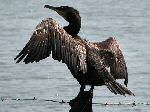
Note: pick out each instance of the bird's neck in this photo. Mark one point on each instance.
(74, 26)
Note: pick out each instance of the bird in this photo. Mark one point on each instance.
(91, 63)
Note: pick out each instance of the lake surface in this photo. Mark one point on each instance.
(127, 20)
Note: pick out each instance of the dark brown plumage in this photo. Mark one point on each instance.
(91, 63)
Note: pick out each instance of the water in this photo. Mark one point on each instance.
(128, 21)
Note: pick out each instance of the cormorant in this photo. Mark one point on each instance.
(91, 63)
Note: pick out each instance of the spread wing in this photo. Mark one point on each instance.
(118, 70)
(103, 59)
(49, 37)
(100, 59)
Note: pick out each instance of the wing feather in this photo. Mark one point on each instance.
(49, 37)
(118, 69)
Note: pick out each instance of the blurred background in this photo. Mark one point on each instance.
(128, 21)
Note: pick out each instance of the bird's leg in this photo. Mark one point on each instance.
(82, 88)
(91, 89)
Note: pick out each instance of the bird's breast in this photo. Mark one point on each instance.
(91, 77)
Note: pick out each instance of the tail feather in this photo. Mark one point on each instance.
(117, 88)
(111, 88)
(121, 91)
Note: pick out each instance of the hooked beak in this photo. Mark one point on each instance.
(57, 9)
(50, 7)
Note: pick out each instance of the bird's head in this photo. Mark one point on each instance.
(65, 11)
